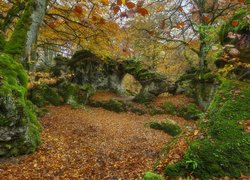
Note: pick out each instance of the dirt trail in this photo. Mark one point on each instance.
(91, 143)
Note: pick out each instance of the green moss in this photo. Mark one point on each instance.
(44, 95)
(75, 94)
(190, 112)
(16, 45)
(112, 105)
(143, 98)
(2, 42)
(225, 148)
(167, 127)
(18, 123)
(152, 176)
(169, 108)
(115, 105)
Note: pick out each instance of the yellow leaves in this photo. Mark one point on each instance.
(143, 11)
(123, 2)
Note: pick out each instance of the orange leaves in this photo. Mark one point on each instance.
(52, 24)
(143, 11)
(180, 25)
(206, 18)
(116, 9)
(130, 5)
(235, 23)
(77, 9)
(241, 1)
(105, 2)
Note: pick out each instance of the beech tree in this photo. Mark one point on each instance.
(189, 22)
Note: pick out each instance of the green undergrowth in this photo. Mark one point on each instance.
(166, 126)
(19, 127)
(44, 95)
(224, 149)
(63, 93)
(112, 105)
(152, 176)
(189, 112)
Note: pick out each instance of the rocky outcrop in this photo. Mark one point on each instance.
(19, 128)
(108, 74)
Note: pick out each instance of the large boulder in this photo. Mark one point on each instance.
(19, 128)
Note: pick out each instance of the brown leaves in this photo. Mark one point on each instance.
(116, 9)
(78, 10)
(130, 5)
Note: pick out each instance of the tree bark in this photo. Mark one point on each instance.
(26, 29)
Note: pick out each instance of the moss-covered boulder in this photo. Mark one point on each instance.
(44, 95)
(224, 147)
(74, 94)
(19, 128)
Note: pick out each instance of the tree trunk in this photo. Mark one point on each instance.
(25, 32)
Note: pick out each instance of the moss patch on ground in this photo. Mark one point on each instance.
(19, 128)
(167, 127)
(224, 148)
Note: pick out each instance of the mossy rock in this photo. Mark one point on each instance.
(167, 127)
(111, 105)
(75, 94)
(144, 98)
(19, 128)
(44, 95)
(190, 112)
(224, 148)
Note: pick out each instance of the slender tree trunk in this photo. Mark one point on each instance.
(36, 18)
(25, 32)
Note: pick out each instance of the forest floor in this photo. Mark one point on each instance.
(93, 143)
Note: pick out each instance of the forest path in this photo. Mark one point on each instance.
(92, 143)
